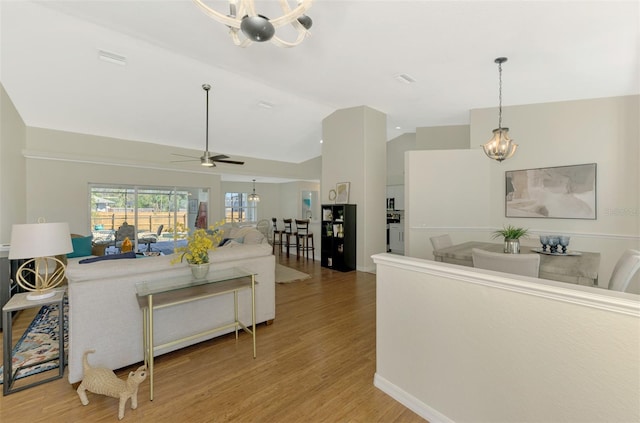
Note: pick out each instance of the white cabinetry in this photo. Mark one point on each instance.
(396, 192)
(396, 238)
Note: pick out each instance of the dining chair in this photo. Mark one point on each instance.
(263, 227)
(441, 241)
(625, 269)
(518, 264)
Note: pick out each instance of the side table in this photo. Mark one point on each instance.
(20, 302)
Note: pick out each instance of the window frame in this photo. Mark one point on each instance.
(240, 211)
(179, 219)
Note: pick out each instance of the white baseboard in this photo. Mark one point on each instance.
(409, 401)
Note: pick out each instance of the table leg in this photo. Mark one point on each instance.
(235, 311)
(61, 359)
(253, 313)
(6, 352)
(150, 344)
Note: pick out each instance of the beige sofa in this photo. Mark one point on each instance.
(104, 313)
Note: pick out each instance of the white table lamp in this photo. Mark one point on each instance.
(40, 242)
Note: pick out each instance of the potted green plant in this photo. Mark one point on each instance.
(511, 236)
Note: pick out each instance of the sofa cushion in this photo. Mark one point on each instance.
(103, 269)
(81, 247)
(236, 251)
(253, 237)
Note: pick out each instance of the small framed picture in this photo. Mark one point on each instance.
(342, 192)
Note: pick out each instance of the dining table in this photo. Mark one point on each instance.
(578, 267)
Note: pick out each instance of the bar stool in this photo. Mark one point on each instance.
(277, 236)
(288, 233)
(303, 236)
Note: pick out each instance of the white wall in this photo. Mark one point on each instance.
(354, 151)
(395, 157)
(60, 165)
(444, 190)
(13, 202)
(465, 345)
(449, 137)
(602, 131)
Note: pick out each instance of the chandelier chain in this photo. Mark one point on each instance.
(500, 96)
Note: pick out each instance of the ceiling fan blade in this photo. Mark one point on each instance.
(184, 155)
(182, 161)
(219, 156)
(229, 161)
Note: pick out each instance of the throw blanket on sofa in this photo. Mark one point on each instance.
(129, 255)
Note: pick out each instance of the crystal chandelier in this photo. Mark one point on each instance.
(246, 25)
(500, 146)
(253, 196)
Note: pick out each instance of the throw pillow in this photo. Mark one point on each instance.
(81, 247)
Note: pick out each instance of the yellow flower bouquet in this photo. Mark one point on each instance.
(198, 245)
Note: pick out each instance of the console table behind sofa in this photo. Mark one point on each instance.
(104, 313)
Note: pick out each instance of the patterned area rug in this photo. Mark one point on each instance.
(40, 342)
(286, 274)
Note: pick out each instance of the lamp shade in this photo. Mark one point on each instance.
(39, 240)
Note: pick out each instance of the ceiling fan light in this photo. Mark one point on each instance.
(205, 160)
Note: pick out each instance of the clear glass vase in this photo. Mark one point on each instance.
(199, 271)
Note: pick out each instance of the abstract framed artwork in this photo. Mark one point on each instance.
(561, 192)
(342, 192)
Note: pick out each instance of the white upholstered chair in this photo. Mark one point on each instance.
(263, 226)
(627, 266)
(441, 241)
(124, 231)
(518, 264)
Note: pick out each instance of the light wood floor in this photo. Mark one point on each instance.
(315, 363)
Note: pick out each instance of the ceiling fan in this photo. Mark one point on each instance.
(207, 159)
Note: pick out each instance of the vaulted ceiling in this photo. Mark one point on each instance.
(557, 50)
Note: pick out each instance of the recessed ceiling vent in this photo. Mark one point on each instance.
(404, 78)
(265, 104)
(111, 57)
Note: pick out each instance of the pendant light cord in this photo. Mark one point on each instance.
(207, 125)
(500, 95)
